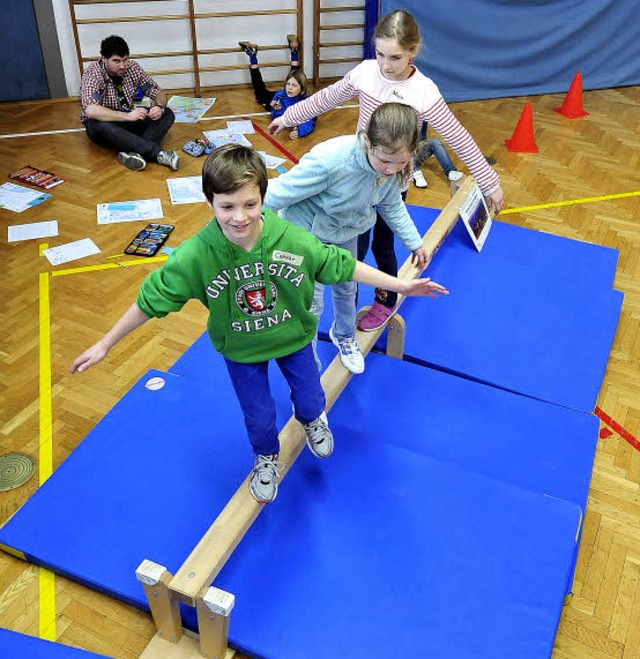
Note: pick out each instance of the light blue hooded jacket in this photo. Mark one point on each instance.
(333, 192)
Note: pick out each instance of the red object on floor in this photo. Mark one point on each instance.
(572, 105)
(522, 140)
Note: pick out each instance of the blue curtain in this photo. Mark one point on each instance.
(493, 48)
(23, 76)
(371, 13)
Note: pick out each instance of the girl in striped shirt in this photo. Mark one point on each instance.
(392, 77)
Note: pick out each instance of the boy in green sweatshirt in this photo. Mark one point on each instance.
(255, 273)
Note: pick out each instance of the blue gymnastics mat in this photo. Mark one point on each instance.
(528, 445)
(532, 313)
(421, 522)
(21, 646)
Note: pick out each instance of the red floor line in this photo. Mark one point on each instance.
(614, 425)
(280, 148)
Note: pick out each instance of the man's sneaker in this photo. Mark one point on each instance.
(419, 180)
(169, 159)
(319, 436)
(455, 175)
(376, 317)
(350, 353)
(248, 47)
(133, 161)
(264, 478)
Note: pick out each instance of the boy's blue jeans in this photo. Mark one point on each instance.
(251, 384)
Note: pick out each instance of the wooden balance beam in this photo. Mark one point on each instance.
(191, 583)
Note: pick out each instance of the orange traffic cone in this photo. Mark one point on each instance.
(572, 105)
(522, 139)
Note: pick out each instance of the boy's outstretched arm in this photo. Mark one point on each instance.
(365, 274)
(132, 318)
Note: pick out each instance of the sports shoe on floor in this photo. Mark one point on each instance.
(293, 42)
(169, 159)
(133, 161)
(419, 180)
(376, 317)
(319, 436)
(248, 47)
(350, 353)
(455, 175)
(264, 478)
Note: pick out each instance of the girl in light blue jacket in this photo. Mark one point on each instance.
(334, 191)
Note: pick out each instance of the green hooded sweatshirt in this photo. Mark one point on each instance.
(258, 301)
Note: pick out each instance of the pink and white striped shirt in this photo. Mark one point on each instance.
(372, 89)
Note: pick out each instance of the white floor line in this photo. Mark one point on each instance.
(79, 130)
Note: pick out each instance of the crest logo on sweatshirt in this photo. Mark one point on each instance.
(252, 298)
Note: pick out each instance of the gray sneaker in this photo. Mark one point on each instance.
(264, 478)
(133, 161)
(319, 436)
(169, 159)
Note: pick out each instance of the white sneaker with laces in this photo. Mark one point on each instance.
(350, 354)
(419, 180)
(455, 175)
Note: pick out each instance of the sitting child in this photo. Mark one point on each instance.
(433, 147)
(295, 86)
(255, 273)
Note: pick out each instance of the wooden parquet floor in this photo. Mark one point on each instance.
(595, 158)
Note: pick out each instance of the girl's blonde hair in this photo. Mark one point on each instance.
(394, 127)
(300, 78)
(402, 26)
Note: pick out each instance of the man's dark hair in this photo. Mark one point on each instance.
(114, 45)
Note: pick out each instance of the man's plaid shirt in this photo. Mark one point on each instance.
(97, 87)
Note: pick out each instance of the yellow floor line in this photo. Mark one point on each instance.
(46, 579)
(571, 202)
(108, 266)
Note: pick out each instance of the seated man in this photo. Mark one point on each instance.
(111, 118)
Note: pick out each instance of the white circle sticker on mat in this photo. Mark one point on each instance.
(153, 384)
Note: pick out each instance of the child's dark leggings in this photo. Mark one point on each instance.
(260, 91)
(384, 252)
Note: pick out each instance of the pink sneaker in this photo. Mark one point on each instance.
(376, 317)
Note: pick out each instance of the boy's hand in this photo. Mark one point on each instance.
(419, 257)
(276, 126)
(293, 135)
(423, 288)
(90, 357)
(275, 104)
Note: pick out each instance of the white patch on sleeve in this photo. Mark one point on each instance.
(287, 257)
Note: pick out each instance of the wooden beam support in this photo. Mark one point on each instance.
(164, 607)
(214, 610)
